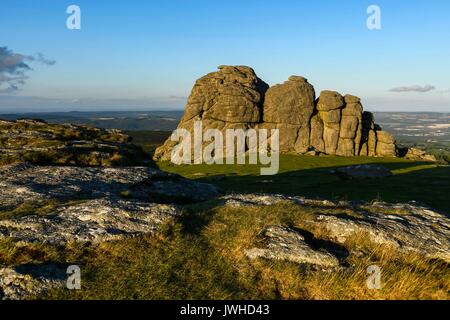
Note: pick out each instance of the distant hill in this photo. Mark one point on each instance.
(123, 120)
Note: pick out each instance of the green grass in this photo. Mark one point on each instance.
(427, 183)
(424, 182)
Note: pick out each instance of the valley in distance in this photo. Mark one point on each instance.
(429, 131)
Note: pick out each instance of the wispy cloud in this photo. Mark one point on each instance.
(178, 98)
(14, 68)
(414, 88)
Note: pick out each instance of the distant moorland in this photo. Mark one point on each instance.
(429, 131)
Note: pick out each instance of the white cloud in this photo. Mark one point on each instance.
(415, 88)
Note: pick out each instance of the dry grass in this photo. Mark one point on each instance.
(201, 256)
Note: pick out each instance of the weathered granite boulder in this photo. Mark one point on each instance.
(289, 107)
(385, 144)
(317, 141)
(287, 244)
(291, 102)
(229, 98)
(234, 97)
(351, 127)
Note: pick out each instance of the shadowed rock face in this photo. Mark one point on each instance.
(92, 204)
(235, 98)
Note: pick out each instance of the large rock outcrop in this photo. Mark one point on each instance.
(231, 98)
(234, 97)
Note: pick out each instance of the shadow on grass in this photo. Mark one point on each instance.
(416, 181)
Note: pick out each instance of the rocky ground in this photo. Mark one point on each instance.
(90, 198)
(115, 203)
(90, 205)
(37, 141)
(406, 227)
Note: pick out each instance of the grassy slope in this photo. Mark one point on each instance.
(311, 177)
(201, 256)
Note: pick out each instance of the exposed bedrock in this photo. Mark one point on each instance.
(235, 98)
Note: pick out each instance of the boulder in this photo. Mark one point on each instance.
(349, 127)
(229, 98)
(330, 100)
(350, 99)
(417, 154)
(289, 106)
(346, 147)
(405, 227)
(291, 102)
(317, 134)
(368, 171)
(331, 137)
(385, 137)
(385, 144)
(287, 244)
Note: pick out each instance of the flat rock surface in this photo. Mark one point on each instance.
(24, 182)
(92, 204)
(407, 227)
(366, 171)
(89, 221)
(286, 244)
(23, 282)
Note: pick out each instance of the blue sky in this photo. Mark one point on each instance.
(147, 54)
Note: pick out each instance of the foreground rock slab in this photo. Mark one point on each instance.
(365, 171)
(417, 229)
(24, 282)
(26, 183)
(91, 204)
(407, 227)
(287, 244)
(91, 221)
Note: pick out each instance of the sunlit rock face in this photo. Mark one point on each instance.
(236, 98)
